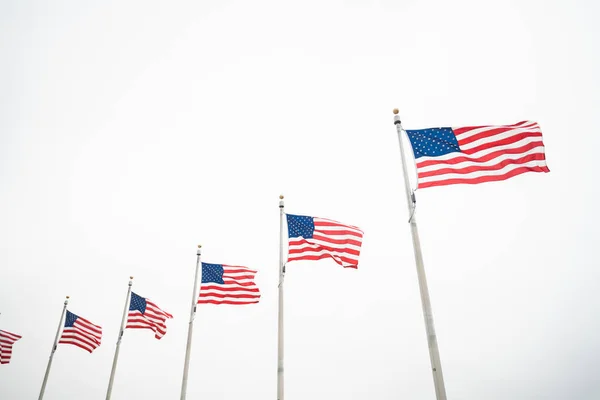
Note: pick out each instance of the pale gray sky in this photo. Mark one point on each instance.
(132, 131)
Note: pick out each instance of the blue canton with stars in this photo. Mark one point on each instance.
(137, 303)
(433, 142)
(212, 273)
(300, 225)
(70, 319)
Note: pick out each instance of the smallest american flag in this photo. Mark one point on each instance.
(7, 340)
(226, 284)
(313, 238)
(80, 332)
(144, 314)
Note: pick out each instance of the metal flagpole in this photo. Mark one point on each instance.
(190, 328)
(62, 316)
(123, 319)
(280, 321)
(434, 353)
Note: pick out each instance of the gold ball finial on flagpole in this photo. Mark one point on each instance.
(67, 297)
(199, 246)
(396, 111)
(131, 277)
(280, 197)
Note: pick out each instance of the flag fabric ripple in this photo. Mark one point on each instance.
(80, 332)
(7, 340)
(144, 314)
(313, 238)
(477, 154)
(226, 284)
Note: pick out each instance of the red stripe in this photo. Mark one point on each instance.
(229, 295)
(485, 158)
(345, 260)
(229, 289)
(474, 168)
(238, 277)
(78, 345)
(232, 282)
(489, 178)
(225, 302)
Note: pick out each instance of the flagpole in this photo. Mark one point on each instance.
(190, 328)
(121, 330)
(280, 320)
(60, 323)
(434, 353)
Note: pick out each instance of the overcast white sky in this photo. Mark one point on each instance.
(132, 131)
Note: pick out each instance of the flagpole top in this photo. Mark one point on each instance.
(199, 246)
(280, 197)
(68, 297)
(396, 111)
(131, 277)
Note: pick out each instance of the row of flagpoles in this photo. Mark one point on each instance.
(443, 156)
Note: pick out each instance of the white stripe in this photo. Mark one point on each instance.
(478, 174)
(494, 161)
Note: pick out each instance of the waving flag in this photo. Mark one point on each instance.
(144, 314)
(7, 340)
(226, 284)
(80, 332)
(477, 154)
(313, 238)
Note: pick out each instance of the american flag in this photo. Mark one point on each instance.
(313, 238)
(144, 314)
(80, 332)
(226, 284)
(7, 340)
(477, 154)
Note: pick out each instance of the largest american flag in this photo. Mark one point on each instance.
(7, 340)
(477, 154)
(314, 238)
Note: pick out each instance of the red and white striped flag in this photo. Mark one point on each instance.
(7, 340)
(313, 238)
(227, 284)
(80, 332)
(477, 154)
(144, 314)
